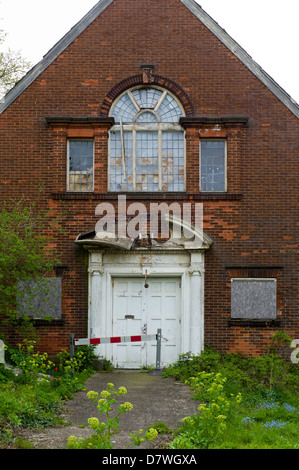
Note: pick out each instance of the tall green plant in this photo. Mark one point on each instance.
(203, 430)
(105, 430)
(25, 255)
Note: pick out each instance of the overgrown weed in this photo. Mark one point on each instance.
(33, 389)
(267, 417)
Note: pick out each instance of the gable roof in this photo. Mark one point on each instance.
(194, 8)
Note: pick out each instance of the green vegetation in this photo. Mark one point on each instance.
(32, 389)
(244, 402)
(27, 260)
(12, 66)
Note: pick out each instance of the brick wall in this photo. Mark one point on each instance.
(253, 225)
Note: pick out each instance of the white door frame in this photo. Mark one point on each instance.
(188, 265)
(144, 353)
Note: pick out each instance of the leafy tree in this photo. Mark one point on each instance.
(12, 66)
(26, 256)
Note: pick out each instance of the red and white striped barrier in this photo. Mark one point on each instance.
(119, 339)
(114, 339)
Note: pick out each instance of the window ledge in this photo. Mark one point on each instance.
(54, 322)
(43, 322)
(200, 120)
(253, 322)
(178, 196)
(65, 120)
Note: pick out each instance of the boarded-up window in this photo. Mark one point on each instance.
(253, 298)
(40, 298)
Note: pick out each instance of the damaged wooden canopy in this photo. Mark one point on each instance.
(191, 238)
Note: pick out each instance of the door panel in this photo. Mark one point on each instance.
(137, 310)
(127, 321)
(164, 312)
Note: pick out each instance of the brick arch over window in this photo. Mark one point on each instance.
(139, 79)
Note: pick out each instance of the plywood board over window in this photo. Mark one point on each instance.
(40, 298)
(253, 299)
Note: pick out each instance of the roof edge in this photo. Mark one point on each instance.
(243, 56)
(53, 53)
(194, 8)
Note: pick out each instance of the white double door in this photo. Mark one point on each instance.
(138, 310)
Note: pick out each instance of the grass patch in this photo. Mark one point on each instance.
(266, 416)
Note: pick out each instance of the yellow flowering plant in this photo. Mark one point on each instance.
(105, 430)
(202, 430)
(34, 365)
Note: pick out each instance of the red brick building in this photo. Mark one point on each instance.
(148, 102)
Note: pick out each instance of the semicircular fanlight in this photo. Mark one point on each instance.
(147, 116)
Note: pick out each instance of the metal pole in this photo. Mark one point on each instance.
(72, 345)
(158, 354)
(2, 352)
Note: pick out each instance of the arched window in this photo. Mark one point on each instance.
(147, 144)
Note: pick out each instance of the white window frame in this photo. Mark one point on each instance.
(225, 164)
(158, 126)
(68, 165)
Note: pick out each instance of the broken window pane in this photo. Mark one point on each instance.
(80, 165)
(117, 174)
(173, 168)
(154, 144)
(212, 165)
(147, 169)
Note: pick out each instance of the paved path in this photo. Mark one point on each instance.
(153, 397)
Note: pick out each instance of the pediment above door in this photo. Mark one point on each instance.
(182, 236)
